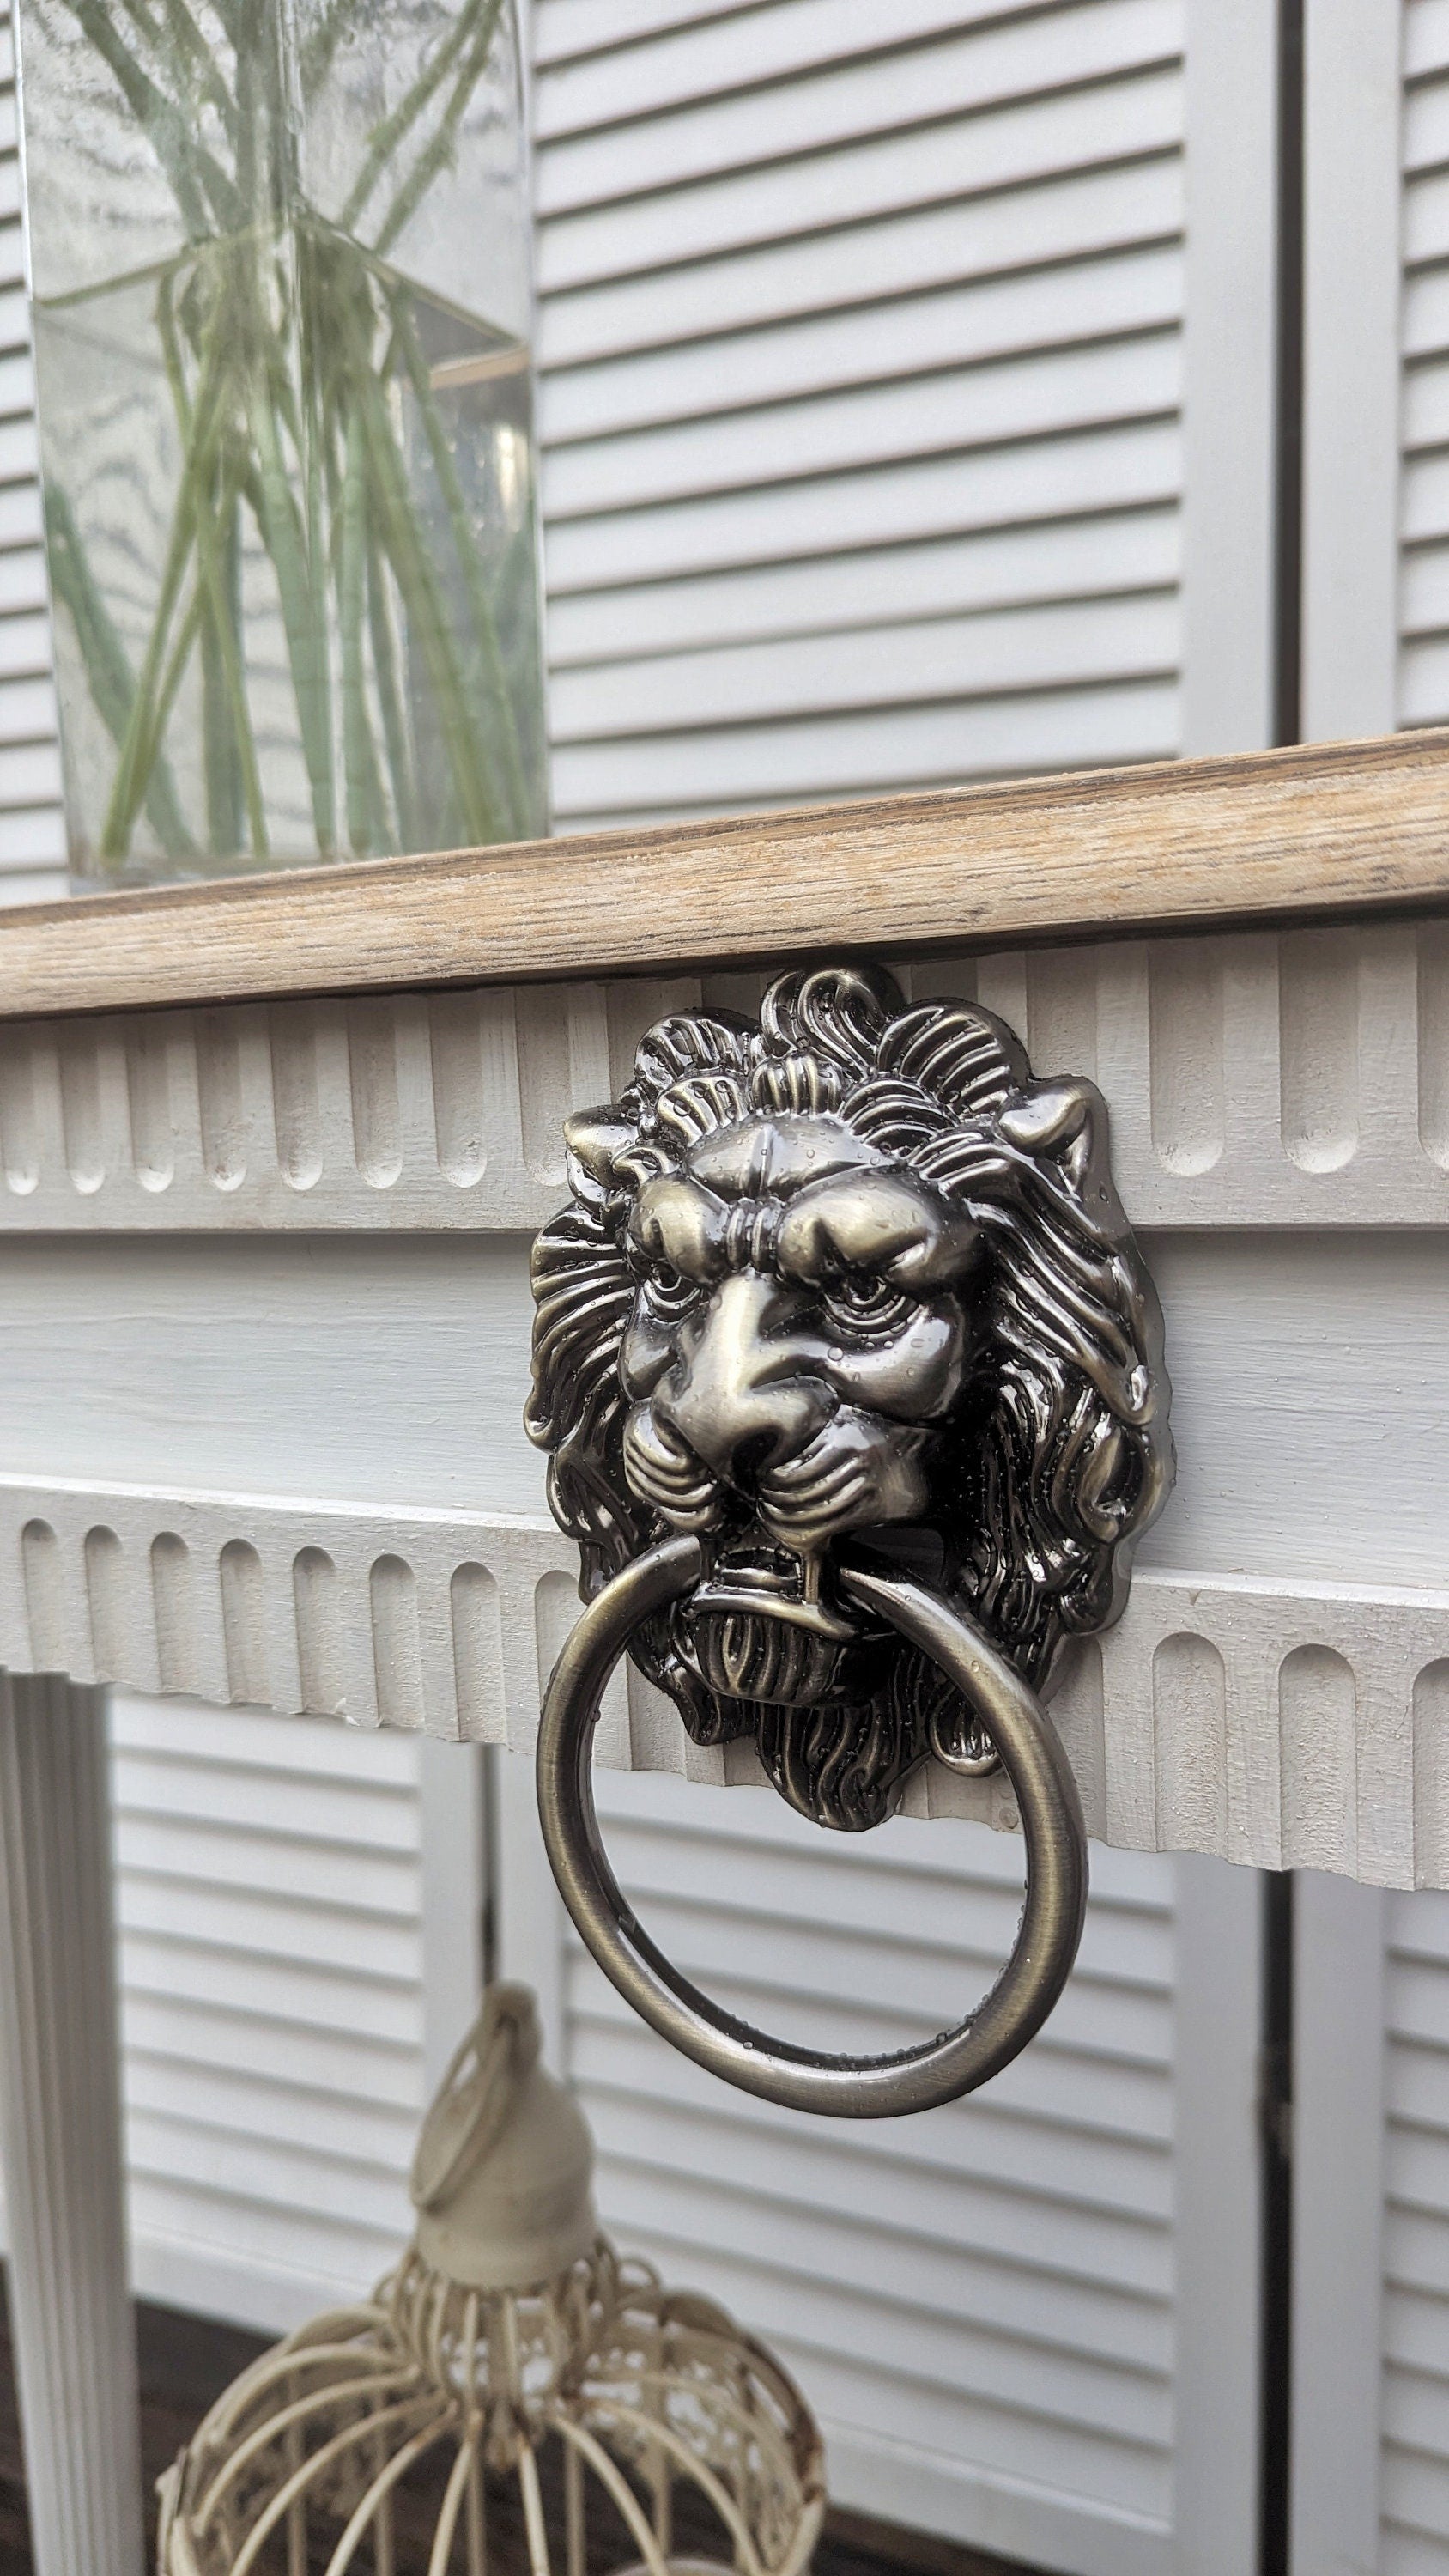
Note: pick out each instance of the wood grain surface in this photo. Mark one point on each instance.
(1304, 833)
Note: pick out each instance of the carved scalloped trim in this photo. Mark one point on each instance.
(1259, 1079)
(1261, 1722)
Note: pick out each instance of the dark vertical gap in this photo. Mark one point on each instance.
(1288, 407)
(1276, 2103)
(1275, 2496)
(488, 1759)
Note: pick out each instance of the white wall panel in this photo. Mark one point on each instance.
(861, 396)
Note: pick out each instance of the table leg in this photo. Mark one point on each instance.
(60, 2133)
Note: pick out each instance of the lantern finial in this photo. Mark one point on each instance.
(501, 2180)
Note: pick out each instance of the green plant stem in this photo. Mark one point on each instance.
(108, 669)
(171, 677)
(359, 763)
(474, 582)
(389, 133)
(142, 736)
(285, 539)
(218, 604)
(439, 150)
(275, 299)
(417, 580)
(389, 698)
(225, 800)
(192, 46)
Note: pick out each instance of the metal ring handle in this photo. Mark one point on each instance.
(805, 2079)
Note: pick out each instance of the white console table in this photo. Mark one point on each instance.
(269, 1155)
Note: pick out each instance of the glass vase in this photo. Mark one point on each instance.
(280, 283)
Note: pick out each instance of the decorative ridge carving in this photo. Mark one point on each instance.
(1257, 1079)
(1181, 1729)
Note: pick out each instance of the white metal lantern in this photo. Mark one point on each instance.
(510, 2333)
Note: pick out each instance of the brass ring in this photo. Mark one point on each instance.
(806, 2079)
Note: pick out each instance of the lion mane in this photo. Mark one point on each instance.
(1057, 1455)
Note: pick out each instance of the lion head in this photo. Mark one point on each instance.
(847, 1275)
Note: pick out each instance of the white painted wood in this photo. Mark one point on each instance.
(1217, 2232)
(1002, 2312)
(1352, 222)
(1256, 1079)
(1338, 2198)
(1230, 107)
(1258, 1719)
(60, 2134)
(386, 1380)
(454, 1892)
(529, 1915)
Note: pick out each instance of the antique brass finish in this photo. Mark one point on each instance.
(851, 1375)
(806, 2079)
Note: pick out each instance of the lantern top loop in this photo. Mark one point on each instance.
(502, 2176)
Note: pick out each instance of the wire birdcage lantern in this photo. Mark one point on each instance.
(510, 2334)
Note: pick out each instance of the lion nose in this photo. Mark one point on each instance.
(736, 1394)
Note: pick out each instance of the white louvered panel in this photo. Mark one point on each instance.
(979, 2301)
(1423, 678)
(32, 823)
(271, 1964)
(1414, 2499)
(860, 393)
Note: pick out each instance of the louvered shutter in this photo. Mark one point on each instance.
(32, 825)
(271, 1963)
(300, 1953)
(1423, 672)
(1422, 690)
(1415, 2494)
(861, 375)
(1370, 2445)
(994, 2307)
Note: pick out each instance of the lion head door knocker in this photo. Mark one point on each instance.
(852, 1377)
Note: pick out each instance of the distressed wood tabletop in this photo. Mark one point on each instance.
(1167, 846)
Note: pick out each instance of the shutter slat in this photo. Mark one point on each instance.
(1007, 568)
(966, 75)
(997, 243)
(1101, 472)
(1041, 139)
(1128, 369)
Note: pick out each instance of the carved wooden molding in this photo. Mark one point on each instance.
(1267, 1723)
(1168, 845)
(1255, 1079)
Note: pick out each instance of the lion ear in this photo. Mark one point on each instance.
(594, 1140)
(1060, 1119)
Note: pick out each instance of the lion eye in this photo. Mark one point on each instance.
(868, 1308)
(667, 1290)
